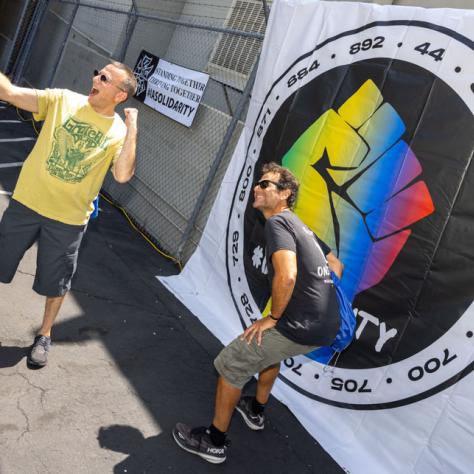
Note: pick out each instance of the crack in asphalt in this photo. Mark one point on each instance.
(31, 384)
(25, 273)
(18, 403)
(20, 409)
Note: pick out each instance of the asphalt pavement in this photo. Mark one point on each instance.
(128, 361)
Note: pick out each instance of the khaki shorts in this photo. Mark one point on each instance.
(239, 362)
(58, 246)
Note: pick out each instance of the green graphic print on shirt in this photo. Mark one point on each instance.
(76, 148)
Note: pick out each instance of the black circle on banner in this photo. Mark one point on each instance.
(421, 305)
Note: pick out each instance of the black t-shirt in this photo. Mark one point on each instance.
(312, 314)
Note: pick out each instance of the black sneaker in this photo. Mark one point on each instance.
(198, 441)
(253, 421)
(39, 351)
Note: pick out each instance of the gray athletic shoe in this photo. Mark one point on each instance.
(39, 351)
(198, 441)
(253, 421)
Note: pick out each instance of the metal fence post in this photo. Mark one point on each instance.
(20, 30)
(63, 45)
(25, 50)
(266, 11)
(220, 153)
(217, 160)
(131, 23)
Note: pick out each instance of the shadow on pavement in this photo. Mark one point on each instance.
(10, 356)
(153, 454)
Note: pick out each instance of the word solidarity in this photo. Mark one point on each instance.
(171, 103)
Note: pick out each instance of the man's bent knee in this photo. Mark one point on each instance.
(232, 375)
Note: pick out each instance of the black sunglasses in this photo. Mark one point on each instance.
(264, 183)
(104, 78)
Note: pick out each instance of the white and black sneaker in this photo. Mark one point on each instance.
(198, 441)
(253, 421)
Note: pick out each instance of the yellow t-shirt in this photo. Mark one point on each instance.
(66, 168)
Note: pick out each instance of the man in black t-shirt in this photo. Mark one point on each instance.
(304, 315)
(311, 315)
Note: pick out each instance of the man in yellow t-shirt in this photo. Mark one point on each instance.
(82, 137)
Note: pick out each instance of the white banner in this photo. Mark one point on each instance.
(175, 91)
(371, 107)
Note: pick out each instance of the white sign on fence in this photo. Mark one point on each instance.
(176, 91)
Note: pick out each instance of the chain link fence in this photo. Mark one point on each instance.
(179, 169)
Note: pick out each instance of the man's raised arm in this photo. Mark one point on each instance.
(21, 97)
(124, 167)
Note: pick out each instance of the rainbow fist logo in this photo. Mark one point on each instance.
(359, 185)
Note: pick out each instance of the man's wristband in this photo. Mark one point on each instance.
(273, 317)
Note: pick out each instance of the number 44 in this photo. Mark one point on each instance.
(437, 54)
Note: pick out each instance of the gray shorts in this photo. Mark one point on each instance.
(58, 246)
(239, 361)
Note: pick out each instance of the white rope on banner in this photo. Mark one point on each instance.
(9, 121)
(7, 193)
(24, 139)
(11, 165)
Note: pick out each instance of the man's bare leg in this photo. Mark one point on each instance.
(266, 379)
(51, 310)
(227, 397)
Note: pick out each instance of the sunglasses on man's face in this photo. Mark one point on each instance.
(104, 78)
(264, 183)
